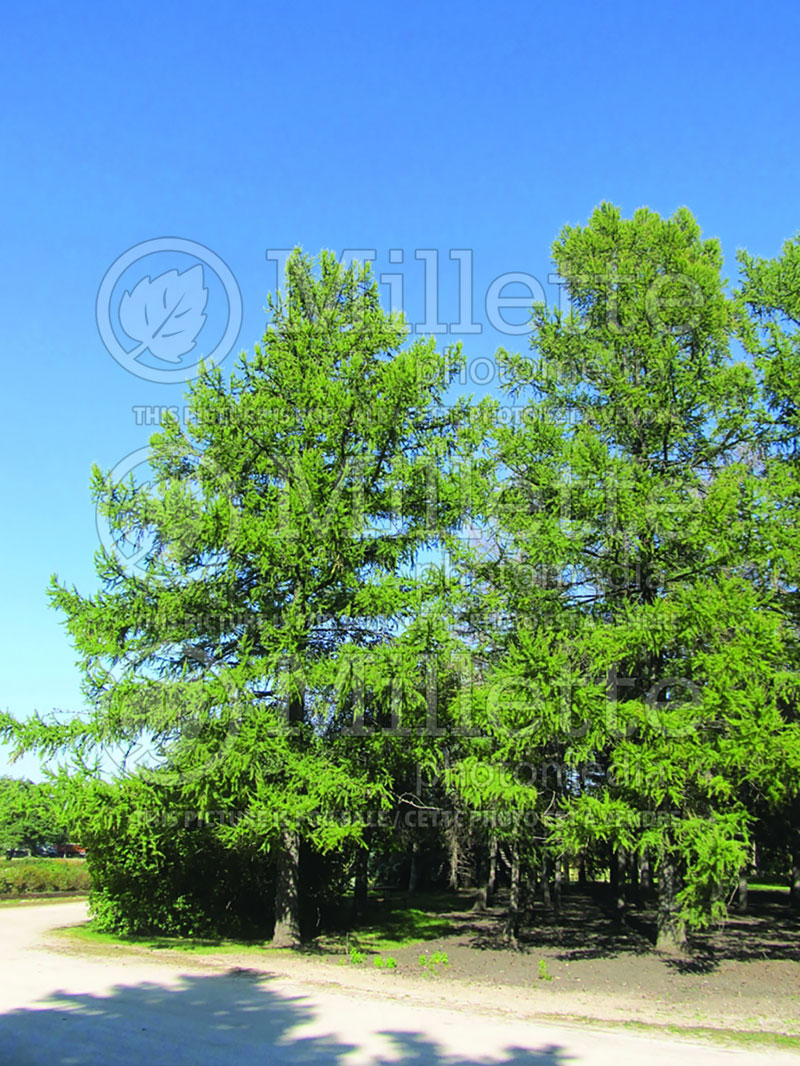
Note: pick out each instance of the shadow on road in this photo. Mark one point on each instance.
(221, 1020)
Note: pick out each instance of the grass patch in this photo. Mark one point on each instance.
(391, 927)
(706, 1034)
(87, 934)
(728, 1037)
(384, 930)
(768, 886)
(389, 931)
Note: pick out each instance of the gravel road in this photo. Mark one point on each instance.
(62, 1009)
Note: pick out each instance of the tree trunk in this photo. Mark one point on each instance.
(492, 878)
(633, 880)
(360, 888)
(482, 895)
(287, 898)
(287, 881)
(413, 871)
(620, 902)
(557, 887)
(794, 885)
(565, 871)
(742, 894)
(671, 930)
(488, 876)
(487, 872)
(546, 894)
(451, 833)
(645, 876)
(581, 869)
(512, 918)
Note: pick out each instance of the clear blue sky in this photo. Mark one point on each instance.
(261, 126)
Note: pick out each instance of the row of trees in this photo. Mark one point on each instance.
(31, 815)
(543, 626)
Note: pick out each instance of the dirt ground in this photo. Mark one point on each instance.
(745, 976)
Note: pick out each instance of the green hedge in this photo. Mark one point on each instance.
(19, 877)
(177, 882)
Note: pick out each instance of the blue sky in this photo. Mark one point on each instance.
(360, 126)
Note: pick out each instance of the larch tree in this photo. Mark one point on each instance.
(769, 303)
(280, 538)
(641, 645)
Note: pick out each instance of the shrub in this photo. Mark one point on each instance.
(183, 884)
(156, 874)
(20, 877)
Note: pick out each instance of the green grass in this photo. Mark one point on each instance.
(707, 1034)
(389, 928)
(385, 928)
(87, 934)
(727, 1037)
(767, 886)
(384, 931)
(390, 931)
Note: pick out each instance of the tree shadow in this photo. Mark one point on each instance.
(697, 962)
(216, 1020)
(586, 928)
(767, 931)
(582, 929)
